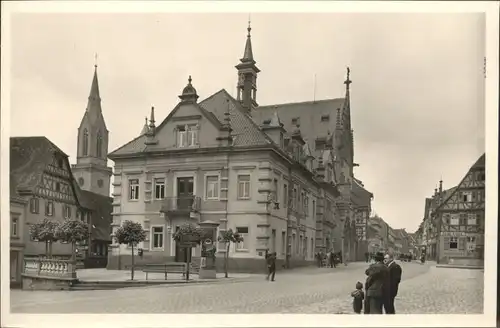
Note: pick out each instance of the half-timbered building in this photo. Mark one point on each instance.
(460, 219)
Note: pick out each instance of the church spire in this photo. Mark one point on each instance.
(94, 100)
(248, 53)
(247, 76)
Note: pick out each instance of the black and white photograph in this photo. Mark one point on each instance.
(206, 159)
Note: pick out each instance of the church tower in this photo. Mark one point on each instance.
(247, 77)
(91, 170)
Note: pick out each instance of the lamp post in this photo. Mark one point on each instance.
(272, 199)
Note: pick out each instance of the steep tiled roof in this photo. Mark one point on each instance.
(359, 195)
(480, 163)
(29, 156)
(101, 219)
(245, 130)
(312, 117)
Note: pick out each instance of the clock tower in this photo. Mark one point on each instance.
(247, 77)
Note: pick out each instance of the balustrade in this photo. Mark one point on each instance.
(50, 268)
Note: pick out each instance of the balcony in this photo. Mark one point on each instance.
(181, 205)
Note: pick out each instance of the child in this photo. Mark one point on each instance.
(358, 297)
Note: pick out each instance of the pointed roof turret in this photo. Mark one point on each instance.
(248, 53)
(145, 128)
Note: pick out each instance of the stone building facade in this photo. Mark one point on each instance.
(280, 175)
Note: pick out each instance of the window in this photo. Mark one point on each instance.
(49, 208)
(85, 142)
(60, 163)
(212, 187)
(312, 245)
(471, 243)
(159, 184)
(294, 199)
(306, 205)
(285, 195)
(58, 186)
(463, 218)
(283, 242)
(294, 239)
(273, 240)
(276, 189)
(157, 232)
(467, 196)
(14, 226)
(314, 209)
(300, 245)
(243, 232)
(34, 205)
(133, 192)
(187, 136)
(181, 136)
(454, 220)
(243, 186)
(453, 243)
(295, 121)
(99, 144)
(305, 247)
(192, 136)
(66, 212)
(325, 118)
(471, 219)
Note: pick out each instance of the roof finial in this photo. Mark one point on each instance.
(190, 79)
(249, 25)
(95, 60)
(348, 81)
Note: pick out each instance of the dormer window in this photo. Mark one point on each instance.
(187, 135)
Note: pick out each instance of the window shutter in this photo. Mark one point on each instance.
(461, 244)
(446, 243)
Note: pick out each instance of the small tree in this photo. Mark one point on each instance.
(45, 231)
(228, 237)
(130, 233)
(73, 231)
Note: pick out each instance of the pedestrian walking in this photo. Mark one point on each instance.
(358, 298)
(391, 285)
(377, 276)
(271, 266)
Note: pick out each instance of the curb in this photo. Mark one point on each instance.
(469, 267)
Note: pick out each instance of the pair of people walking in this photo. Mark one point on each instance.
(381, 286)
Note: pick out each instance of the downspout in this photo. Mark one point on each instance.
(288, 228)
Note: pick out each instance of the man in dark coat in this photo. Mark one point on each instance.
(392, 284)
(271, 266)
(377, 275)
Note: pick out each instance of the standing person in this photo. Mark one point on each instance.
(358, 298)
(271, 266)
(332, 259)
(377, 276)
(366, 257)
(392, 284)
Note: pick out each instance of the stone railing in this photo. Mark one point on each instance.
(50, 268)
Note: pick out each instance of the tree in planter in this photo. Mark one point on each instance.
(190, 232)
(228, 237)
(130, 233)
(72, 231)
(45, 231)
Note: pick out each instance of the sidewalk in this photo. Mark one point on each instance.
(104, 275)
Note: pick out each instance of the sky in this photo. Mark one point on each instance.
(417, 97)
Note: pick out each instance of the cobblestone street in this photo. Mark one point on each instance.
(424, 289)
